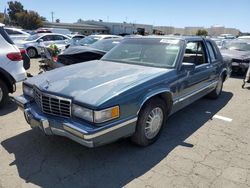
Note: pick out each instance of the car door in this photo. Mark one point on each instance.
(59, 39)
(193, 84)
(47, 40)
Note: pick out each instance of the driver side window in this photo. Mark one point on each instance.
(195, 53)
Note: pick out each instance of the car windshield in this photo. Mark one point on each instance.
(105, 45)
(241, 46)
(33, 37)
(88, 40)
(155, 52)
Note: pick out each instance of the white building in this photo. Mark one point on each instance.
(122, 28)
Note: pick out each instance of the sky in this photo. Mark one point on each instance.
(177, 13)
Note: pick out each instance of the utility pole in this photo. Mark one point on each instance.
(52, 16)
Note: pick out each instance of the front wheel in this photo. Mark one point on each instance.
(218, 90)
(32, 52)
(4, 94)
(150, 121)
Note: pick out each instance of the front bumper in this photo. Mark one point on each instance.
(89, 136)
(238, 65)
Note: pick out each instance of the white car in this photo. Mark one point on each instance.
(94, 38)
(33, 43)
(11, 66)
(244, 37)
(16, 34)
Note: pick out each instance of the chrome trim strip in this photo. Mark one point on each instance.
(91, 136)
(72, 137)
(36, 89)
(180, 99)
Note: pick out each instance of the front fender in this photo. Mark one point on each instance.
(164, 92)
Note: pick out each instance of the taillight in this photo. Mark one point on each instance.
(15, 56)
(23, 51)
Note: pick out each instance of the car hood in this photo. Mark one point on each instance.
(78, 54)
(94, 82)
(81, 49)
(235, 54)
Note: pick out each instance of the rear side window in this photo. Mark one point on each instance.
(5, 35)
(211, 51)
(58, 37)
(12, 32)
(47, 38)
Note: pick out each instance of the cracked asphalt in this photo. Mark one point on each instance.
(194, 150)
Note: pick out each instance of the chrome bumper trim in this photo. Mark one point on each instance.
(83, 134)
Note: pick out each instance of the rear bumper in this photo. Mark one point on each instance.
(89, 136)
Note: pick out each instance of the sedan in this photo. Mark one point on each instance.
(33, 43)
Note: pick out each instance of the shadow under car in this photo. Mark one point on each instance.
(58, 162)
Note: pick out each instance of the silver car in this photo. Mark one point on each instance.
(33, 43)
(16, 34)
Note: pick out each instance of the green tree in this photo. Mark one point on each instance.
(14, 8)
(202, 32)
(1, 18)
(43, 19)
(29, 20)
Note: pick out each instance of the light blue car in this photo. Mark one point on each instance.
(130, 92)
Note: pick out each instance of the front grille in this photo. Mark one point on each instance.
(52, 105)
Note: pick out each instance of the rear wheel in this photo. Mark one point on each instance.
(150, 121)
(217, 91)
(32, 52)
(3, 94)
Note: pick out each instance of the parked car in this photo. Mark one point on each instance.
(79, 54)
(74, 39)
(11, 66)
(54, 30)
(16, 34)
(227, 36)
(244, 37)
(94, 38)
(32, 43)
(130, 92)
(239, 52)
(220, 42)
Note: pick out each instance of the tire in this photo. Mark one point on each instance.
(146, 134)
(218, 90)
(4, 94)
(32, 52)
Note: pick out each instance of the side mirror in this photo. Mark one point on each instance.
(40, 40)
(189, 67)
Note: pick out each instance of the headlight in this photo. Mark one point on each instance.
(106, 114)
(28, 91)
(96, 116)
(83, 113)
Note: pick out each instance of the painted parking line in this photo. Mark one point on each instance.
(222, 118)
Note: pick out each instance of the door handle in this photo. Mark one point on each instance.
(209, 66)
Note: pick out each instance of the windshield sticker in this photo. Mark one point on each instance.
(169, 41)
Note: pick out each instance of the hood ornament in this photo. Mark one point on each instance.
(47, 84)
